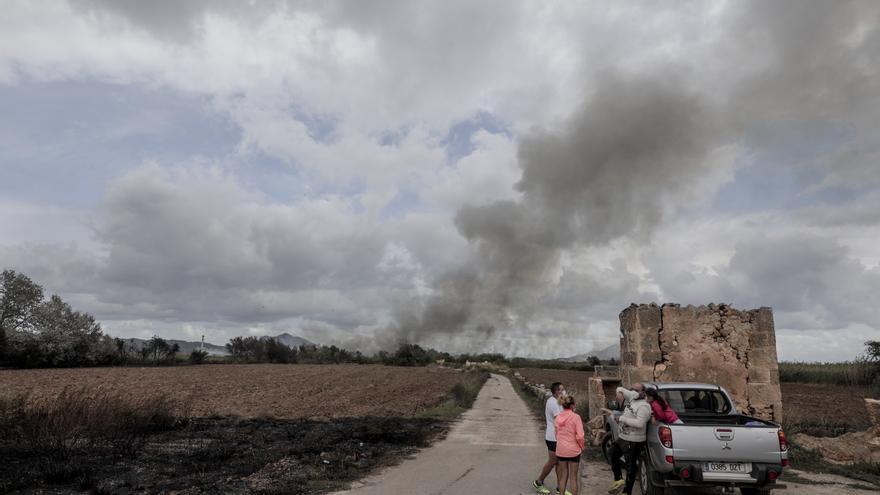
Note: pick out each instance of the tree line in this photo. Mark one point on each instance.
(40, 332)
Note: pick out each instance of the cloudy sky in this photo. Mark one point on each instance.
(474, 176)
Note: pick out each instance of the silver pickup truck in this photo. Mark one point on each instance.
(713, 446)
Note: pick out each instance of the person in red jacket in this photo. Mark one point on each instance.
(661, 409)
(569, 445)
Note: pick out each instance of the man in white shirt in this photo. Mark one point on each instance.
(551, 410)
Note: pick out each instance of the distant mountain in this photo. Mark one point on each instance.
(187, 347)
(610, 352)
(292, 340)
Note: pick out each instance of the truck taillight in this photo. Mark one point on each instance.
(665, 434)
(783, 441)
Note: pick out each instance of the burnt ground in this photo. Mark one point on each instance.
(228, 455)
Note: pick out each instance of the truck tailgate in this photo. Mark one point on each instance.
(726, 443)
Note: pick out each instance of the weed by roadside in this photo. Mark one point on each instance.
(461, 397)
(820, 427)
(812, 461)
(54, 435)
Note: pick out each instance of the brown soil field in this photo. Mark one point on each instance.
(828, 410)
(835, 409)
(283, 391)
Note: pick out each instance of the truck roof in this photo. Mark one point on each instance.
(677, 385)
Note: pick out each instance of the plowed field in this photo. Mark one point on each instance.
(259, 390)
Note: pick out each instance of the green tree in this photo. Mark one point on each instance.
(872, 351)
(159, 350)
(67, 337)
(19, 299)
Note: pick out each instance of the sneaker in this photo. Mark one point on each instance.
(540, 488)
(566, 492)
(616, 487)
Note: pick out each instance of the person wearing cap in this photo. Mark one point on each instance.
(633, 425)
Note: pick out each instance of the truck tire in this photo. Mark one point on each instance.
(755, 491)
(606, 446)
(650, 481)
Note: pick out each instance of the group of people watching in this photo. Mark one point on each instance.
(565, 436)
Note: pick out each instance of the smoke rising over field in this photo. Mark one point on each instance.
(633, 151)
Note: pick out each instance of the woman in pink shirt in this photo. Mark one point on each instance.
(660, 408)
(569, 445)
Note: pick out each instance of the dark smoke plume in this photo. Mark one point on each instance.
(624, 157)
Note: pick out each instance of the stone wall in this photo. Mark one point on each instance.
(710, 344)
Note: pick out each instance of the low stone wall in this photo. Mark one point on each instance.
(537, 388)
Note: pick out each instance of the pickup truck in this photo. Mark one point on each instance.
(714, 446)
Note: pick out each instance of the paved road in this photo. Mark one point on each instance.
(496, 448)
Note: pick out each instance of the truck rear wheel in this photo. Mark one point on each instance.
(755, 491)
(606, 446)
(650, 481)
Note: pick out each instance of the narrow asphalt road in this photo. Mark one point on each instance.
(496, 448)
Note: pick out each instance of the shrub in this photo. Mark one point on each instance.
(75, 419)
(859, 372)
(197, 356)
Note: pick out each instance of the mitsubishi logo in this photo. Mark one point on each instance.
(726, 446)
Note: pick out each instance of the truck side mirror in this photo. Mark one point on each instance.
(612, 404)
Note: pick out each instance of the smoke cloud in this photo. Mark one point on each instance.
(642, 144)
(620, 161)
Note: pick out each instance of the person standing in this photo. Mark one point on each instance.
(551, 410)
(569, 445)
(633, 435)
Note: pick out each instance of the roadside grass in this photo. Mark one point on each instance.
(532, 400)
(817, 427)
(809, 460)
(853, 373)
(460, 399)
(57, 433)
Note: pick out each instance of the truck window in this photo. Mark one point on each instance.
(697, 401)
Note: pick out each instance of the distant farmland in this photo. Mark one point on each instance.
(258, 390)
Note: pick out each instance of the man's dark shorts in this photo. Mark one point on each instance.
(576, 458)
(551, 446)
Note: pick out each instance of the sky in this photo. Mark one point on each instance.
(471, 176)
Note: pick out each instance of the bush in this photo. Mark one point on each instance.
(460, 398)
(75, 419)
(853, 373)
(197, 356)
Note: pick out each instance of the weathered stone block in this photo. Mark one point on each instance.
(873, 406)
(715, 344)
(759, 375)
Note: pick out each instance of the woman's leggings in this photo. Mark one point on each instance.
(630, 452)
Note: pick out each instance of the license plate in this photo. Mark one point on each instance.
(726, 467)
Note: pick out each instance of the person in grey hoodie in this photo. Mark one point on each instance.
(633, 429)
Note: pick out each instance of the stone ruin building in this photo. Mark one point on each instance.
(711, 344)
